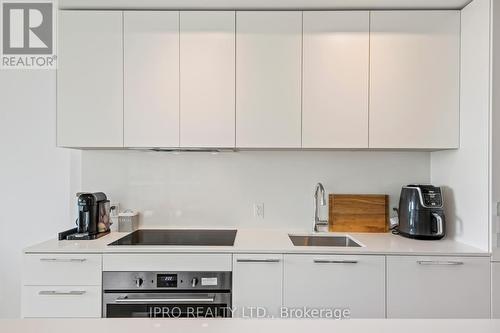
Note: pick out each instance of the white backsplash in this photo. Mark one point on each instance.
(220, 190)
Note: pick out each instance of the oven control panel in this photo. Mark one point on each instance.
(167, 280)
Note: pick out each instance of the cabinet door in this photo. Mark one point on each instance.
(414, 79)
(151, 55)
(335, 79)
(207, 53)
(257, 283)
(495, 292)
(438, 287)
(90, 79)
(268, 79)
(352, 283)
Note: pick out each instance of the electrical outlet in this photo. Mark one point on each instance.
(116, 211)
(258, 210)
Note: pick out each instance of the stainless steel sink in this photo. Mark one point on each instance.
(313, 240)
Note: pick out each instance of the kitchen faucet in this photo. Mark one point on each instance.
(319, 193)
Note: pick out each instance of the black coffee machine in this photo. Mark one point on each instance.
(421, 212)
(93, 217)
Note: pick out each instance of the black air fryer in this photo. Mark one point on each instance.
(421, 212)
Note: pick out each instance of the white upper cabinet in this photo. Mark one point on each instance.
(335, 79)
(90, 79)
(259, 79)
(414, 79)
(207, 81)
(268, 79)
(151, 72)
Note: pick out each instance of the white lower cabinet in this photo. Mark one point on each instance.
(257, 285)
(57, 285)
(61, 286)
(61, 301)
(495, 290)
(438, 287)
(354, 285)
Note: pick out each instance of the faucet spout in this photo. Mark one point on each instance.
(319, 200)
(320, 192)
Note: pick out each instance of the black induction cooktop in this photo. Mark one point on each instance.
(180, 237)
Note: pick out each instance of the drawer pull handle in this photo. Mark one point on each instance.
(164, 300)
(63, 260)
(440, 263)
(322, 261)
(258, 260)
(59, 293)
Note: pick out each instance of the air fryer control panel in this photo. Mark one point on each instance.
(430, 196)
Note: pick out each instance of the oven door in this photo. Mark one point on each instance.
(166, 305)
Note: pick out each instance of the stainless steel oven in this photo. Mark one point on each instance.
(166, 294)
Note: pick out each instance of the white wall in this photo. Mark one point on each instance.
(34, 175)
(201, 189)
(465, 172)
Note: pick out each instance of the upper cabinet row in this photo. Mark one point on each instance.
(225, 79)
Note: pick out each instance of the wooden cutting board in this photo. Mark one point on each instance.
(358, 212)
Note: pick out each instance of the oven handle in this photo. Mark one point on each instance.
(164, 300)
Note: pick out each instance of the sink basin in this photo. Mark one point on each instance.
(312, 240)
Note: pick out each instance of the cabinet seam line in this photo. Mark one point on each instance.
(179, 74)
(369, 70)
(123, 78)
(235, 59)
(302, 81)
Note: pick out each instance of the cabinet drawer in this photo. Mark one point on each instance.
(167, 262)
(62, 269)
(61, 302)
(340, 282)
(438, 287)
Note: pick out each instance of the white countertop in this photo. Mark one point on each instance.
(246, 325)
(272, 241)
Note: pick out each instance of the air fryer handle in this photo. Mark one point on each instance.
(439, 222)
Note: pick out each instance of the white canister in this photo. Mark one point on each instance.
(128, 221)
